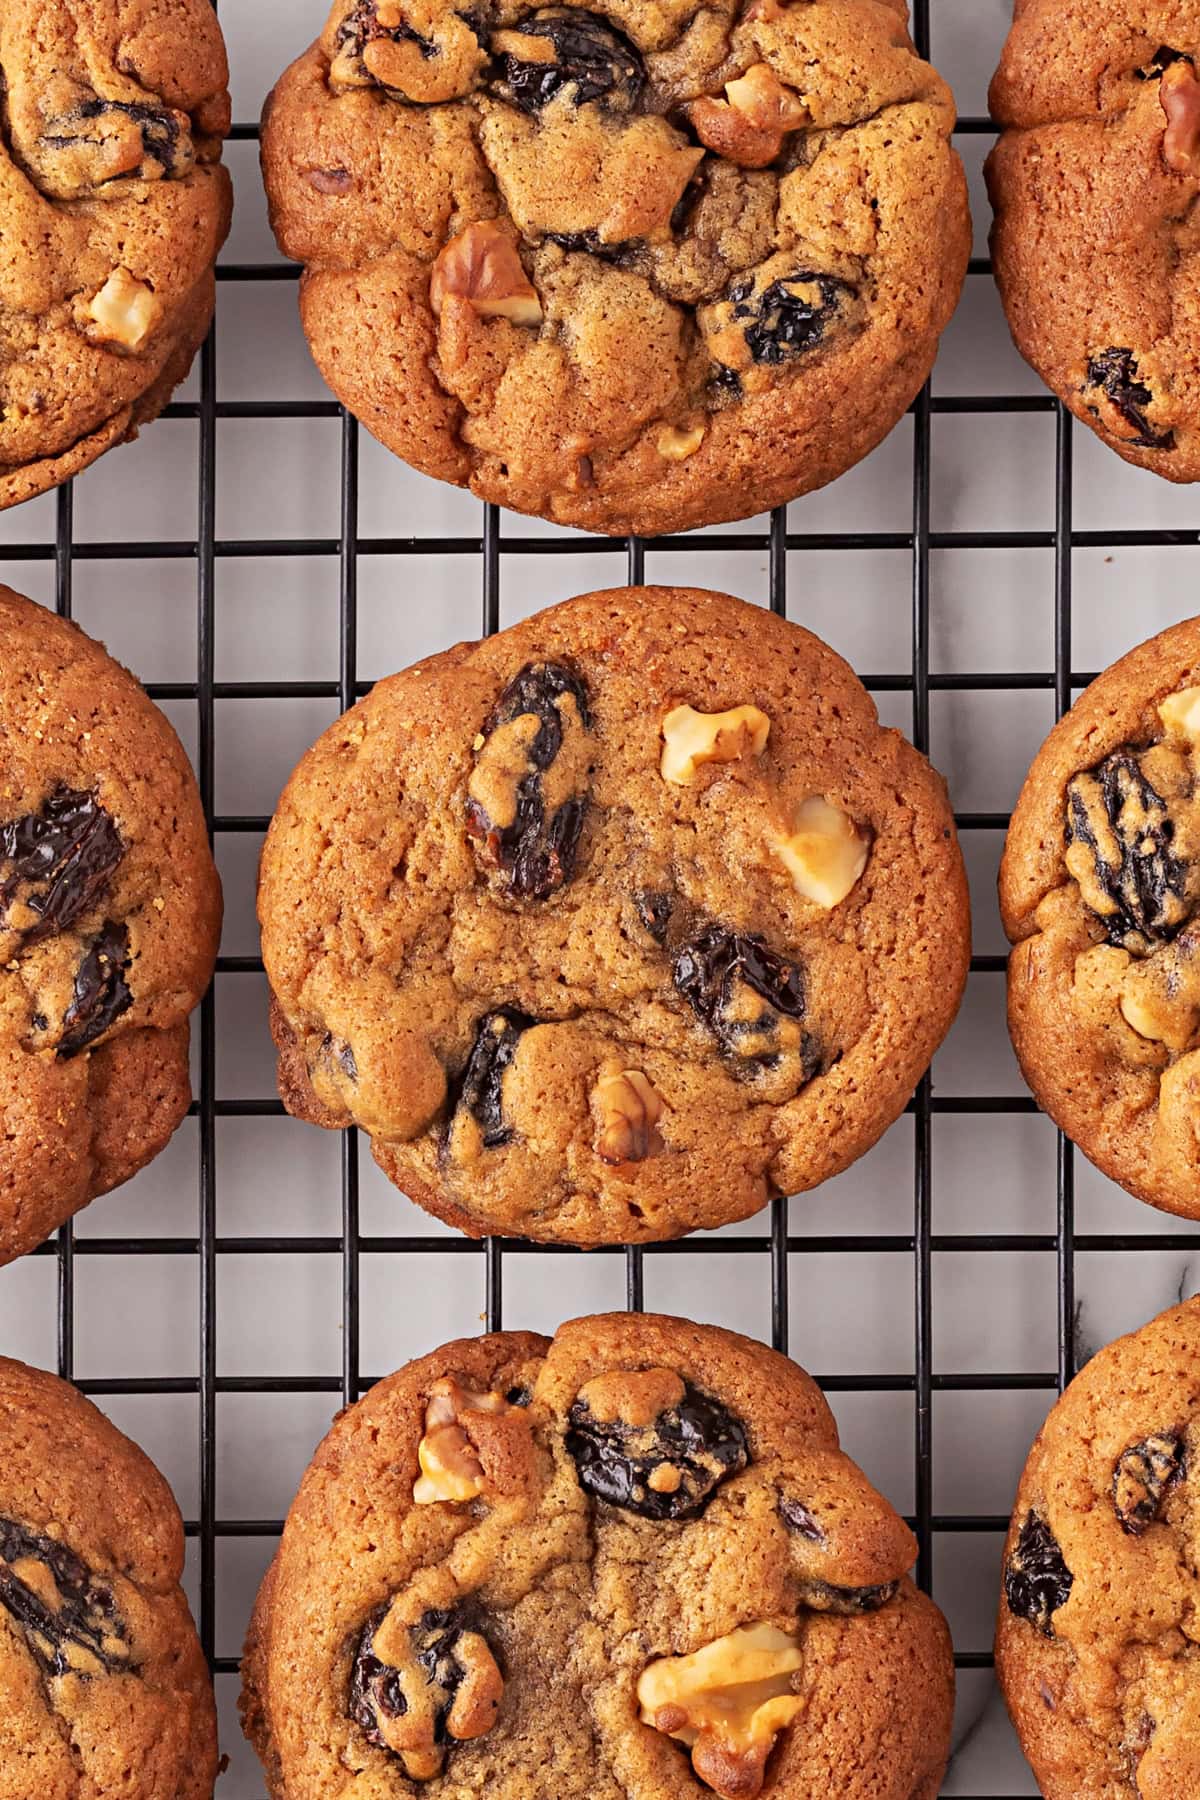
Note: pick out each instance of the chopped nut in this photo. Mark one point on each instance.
(728, 1703)
(691, 738)
(481, 266)
(450, 1466)
(1180, 714)
(125, 311)
(676, 444)
(750, 124)
(1160, 994)
(825, 852)
(1179, 95)
(629, 1112)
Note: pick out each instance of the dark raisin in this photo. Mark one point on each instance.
(591, 57)
(797, 1517)
(518, 1396)
(1116, 373)
(361, 27)
(1162, 59)
(535, 848)
(101, 992)
(822, 1596)
(654, 910)
(699, 1439)
(744, 993)
(77, 1631)
(787, 318)
(1130, 877)
(481, 1089)
(1036, 1579)
(447, 1648)
(724, 386)
(619, 254)
(63, 855)
(163, 140)
(1143, 1477)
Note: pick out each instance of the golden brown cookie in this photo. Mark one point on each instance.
(1095, 1646)
(1099, 886)
(634, 268)
(1093, 183)
(106, 1693)
(112, 210)
(110, 912)
(610, 927)
(631, 1561)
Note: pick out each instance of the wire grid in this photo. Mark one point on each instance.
(775, 1243)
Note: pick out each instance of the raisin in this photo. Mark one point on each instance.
(699, 1439)
(724, 387)
(481, 1089)
(797, 1517)
(590, 56)
(1162, 59)
(787, 318)
(822, 1596)
(654, 910)
(1143, 1477)
(1036, 1579)
(1127, 871)
(101, 992)
(81, 1627)
(746, 995)
(361, 27)
(519, 1396)
(1116, 373)
(541, 719)
(64, 854)
(163, 140)
(448, 1648)
(619, 254)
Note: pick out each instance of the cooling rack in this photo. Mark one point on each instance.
(294, 1233)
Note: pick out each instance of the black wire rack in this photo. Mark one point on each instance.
(775, 1241)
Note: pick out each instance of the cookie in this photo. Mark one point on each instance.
(1098, 1610)
(631, 1561)
(636, 267)
(610, 927)
(110, 912)
(114, 207)
(1093, 184)
(106, 1692)
(1099, 891)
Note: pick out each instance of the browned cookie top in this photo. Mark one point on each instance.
(106, 1693)
(110, 910)
(629, 1562)
(1099, 889)
(643, 266)
(612, 925)
(112, 210)
(1094, 184)
(1099, 1621)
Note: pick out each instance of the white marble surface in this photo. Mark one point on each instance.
(277, 620)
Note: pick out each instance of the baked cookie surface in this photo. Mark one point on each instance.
(113, 207)
(609, 927)
(1099, 885)
(636, 268)
(1097, 1624)
(1093, 184)
(630, 1561)
(106, 1692)
(110, 911)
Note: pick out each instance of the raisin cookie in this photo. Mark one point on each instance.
(1094, 182)
(110, 910)
(106, 1693)
(636, 267)
(1095, 1646)
(112, 115)
(631, 1561)
(615, 924)
(1100, 891)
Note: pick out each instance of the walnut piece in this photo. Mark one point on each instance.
(676, 444)
(825, 852)
(450, 1465)
(629, 1112)
(125, 311)
(481, 266)
(749, 125)
(691, 738)
(728, 1703)
(1180, 714)
(1179, 95)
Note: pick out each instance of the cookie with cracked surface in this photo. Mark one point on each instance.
(1097, 1620)
(632, 1560)
(110, 911)
(638, 267)
(114, 207)
(1093, 182)
(106, 1691)
(613, 925)
(1099, 892)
